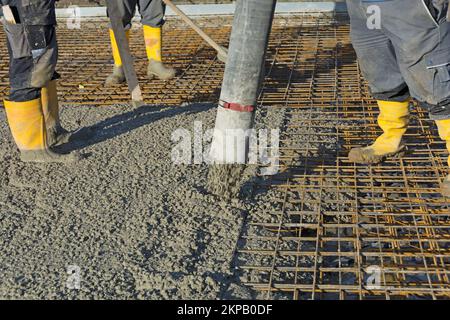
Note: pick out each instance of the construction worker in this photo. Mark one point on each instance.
(403, 48)
(152, 13)
(32, 107)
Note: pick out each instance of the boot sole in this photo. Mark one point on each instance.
(44, 157)
(152, 76)
(379, 159)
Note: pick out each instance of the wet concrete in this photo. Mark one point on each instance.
(135, 224)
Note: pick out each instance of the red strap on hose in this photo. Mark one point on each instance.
(237, 107)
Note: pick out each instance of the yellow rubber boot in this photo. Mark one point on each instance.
(394, 120)
(117, 76)
(27, 123)
(156, 68)
(444, 133)
(56, 134)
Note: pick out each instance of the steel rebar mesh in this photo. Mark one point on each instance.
(337, 227)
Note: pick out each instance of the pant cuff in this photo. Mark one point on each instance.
(397, 95)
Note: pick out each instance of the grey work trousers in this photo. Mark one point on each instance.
(406, 52)
(151, 11)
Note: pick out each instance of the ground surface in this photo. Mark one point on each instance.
(138, 226)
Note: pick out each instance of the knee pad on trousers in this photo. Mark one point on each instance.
(399, 94)
(33, 56)
(44, 51)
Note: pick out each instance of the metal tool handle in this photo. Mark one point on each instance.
(196, 28)
(124, 51)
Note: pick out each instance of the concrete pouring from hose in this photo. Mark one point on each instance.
(231, 141)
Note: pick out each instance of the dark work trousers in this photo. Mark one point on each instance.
(32, 47)
(151, 11)
(403, 48)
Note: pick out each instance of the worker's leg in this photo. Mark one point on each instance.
(33, 55)
(444, 133)
(56, 134)
(152, 12)
(422, 36)
(378, 62)
(127, 10)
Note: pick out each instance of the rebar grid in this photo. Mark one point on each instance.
(339, 230)
(85, 61)
(332, 223)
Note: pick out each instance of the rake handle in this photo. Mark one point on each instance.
(196, 28)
